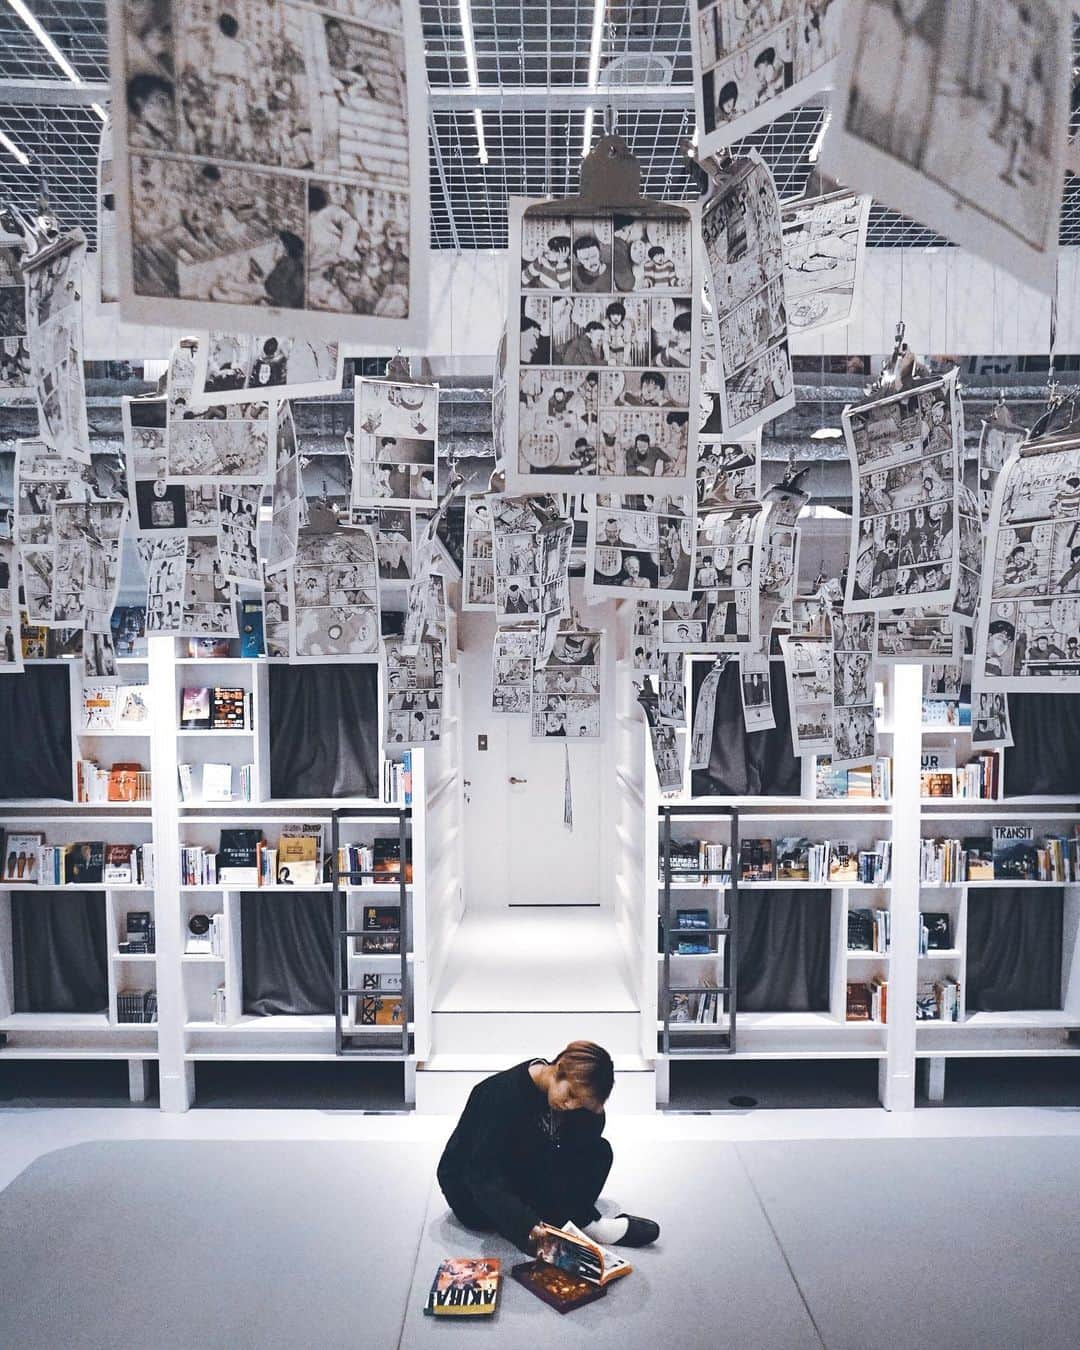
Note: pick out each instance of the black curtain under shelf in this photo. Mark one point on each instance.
(1014, 940)
(742, 763)
(60, 952)
(35, 731)
(287, 951)
(784, 951)
(1044, 759)
(324, 731)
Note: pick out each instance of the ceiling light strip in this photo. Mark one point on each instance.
(58, 57)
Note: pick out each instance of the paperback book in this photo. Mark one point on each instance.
(84, 864)
(465, 1286)
(1014, 856)
(756, 860)
(980, 858)
(238, 857)
(559, 1289)
(195, 708)
(569, 1249)
(299, 855)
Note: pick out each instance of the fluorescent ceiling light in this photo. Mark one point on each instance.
(53, 50)
(826, 434)
(596, 41)
(470, 45)
(481, 144)
(586, 132)
(815, 149)
(13, 150)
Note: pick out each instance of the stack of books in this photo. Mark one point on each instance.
(693, 857)
(397, 780)
(136, 1006)
(198, 866)
(867, 1001)
(938, 1000)
(980, 777)
(869, 930)
(120, 783)
(139, 934)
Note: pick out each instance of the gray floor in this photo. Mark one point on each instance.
(967, 1242)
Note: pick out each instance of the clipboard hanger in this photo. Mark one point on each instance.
(610, 181)
(399, 370)
(42, 237)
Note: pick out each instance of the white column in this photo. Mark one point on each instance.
(896, 1080)
(176, 1076)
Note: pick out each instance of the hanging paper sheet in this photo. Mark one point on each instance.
(277, 613)
(917, 635)
(566, 691)
(824, 246)
(641, 543)
(722, 613)
(396, 431)
(512, 655)
(645, 637)
(604, 358)
(54, 335)
(107, 265)
(990, 727)
(478, 589)
(396, 529)
(665, 744)
(11, 653)
(957, 115)
(808, 668)
(905, 453)
(187, 593)
(776, 559)
(235, 368)
(755, 689)
(741, 227)
(1028, 631)
(701, 736)
(201, 444)
(855, 741)
(335, 605)
(14, 350)
(754, 61)
(414, 694)
(271, 167)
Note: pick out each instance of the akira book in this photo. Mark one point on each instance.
(465, 1286)
(569, 1249)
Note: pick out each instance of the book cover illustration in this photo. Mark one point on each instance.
(938, 932)
(21, 857)
(119, 864)
(559, 1289)
(194, 709)
(756, 860)
(843, 861)
(238, 855)
(298, 855)
(380, 936)
(980, 859)
(380, 1010)
(937, 772)
(98, 707)
(227, 709)
(569, 1249)
(133, 705)
(1014, 854)
(84, 864)
(252, 640)
(387, 860)
(465, 1286)
(793, 859)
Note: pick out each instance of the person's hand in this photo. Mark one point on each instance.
(535, 1233)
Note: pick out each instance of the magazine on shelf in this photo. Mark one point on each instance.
(756, 860)
(980, 858)
(465, 1286)
(195, 709)
(227, 709)
(99, 706)
(21, 856)
(132, 705)
(937, 772)
(1014, 853)
(119, 864)
(299, 855)
(84, 864)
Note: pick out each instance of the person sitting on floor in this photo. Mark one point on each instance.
(529, 1149)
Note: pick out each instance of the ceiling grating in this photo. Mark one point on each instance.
(523, 48)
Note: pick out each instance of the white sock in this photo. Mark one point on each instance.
(608, 1230)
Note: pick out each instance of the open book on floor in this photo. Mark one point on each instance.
(571, 1250)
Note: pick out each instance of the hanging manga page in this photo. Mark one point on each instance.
(426, 615)
(969, 575)
(86, 571)
(14, 349)
(478, 582)
(11, 652)
(532, 559)
(905, 451)
(741, 227)
(162, 507)
(996, 443)
(721, 614)
(107, 268)
(754, 61)
(396, 431)
(396, 529)
(1028, 630)
(288, 505)
(729, 472)
(335, 603)
(853, 690)
(54, 335)
(498, 401)
(808, 668)
(957, 115)
(233, 442)
(671, 688)
(238, 530)
(414, 694)
(604, 368)
(566, 691)
(824, 245)
(917, 635)
(755, 689)
(990, 728)
(271, 167)
(186, 593)
(234, 368)
(512, 656)
(645, 638)
(776, 558)
(701, 735)
(641, 543)
(664, 741)
(277, 613)
(942, 682)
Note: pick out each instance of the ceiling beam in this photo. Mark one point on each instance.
(58, 93)
(529, 98)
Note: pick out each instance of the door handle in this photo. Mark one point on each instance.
(518, 780)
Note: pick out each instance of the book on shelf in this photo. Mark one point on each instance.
(266, 863)
(128, 627)
(238, 857)
(755, 860)
(252, 640)
(122, 782)
(686, 1006)
(843, 861)
(136, 1005)
(569, 1249)
(379, 1010)
(1013, 851)
(938, 1000)
(863, 783)
(937, 772)
(227, 709)
(980, 777)
(381, 981)
(139, 933)
(120, 865)
(559, 1289)
(299, 855)
(935, 932)
(132, 705)
(869, 930)
(84, 864)
(938, 712)
(397, 780)
(99, 702)
(217, 782)
(692, 918)
(979, 855)
(793, 859)
(465, 1286)
(857, 1006)
(879, 999)
(195, 708)
(386, 859)
(381, 934)
(21, 856)
(218, 1007)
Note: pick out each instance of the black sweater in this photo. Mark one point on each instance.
(512, 1162)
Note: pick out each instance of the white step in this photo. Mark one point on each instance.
(533, 1032)
(443, 1082)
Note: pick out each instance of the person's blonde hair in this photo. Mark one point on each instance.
(588, 1066)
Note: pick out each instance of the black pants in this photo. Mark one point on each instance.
(568, 1191)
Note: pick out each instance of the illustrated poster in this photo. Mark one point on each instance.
(271, 167)
(14, 351)
(603, 357)
(512, 656)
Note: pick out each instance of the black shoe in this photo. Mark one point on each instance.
(640, 1233)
